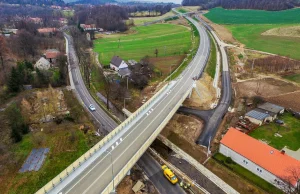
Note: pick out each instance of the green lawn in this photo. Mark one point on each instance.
(212, 62)
(181, 10)
(290, 133)
(226, 16)
(294, 77)
(246, 174)
(169, 39)
(250, 35)
(248, 25)
(142, 20)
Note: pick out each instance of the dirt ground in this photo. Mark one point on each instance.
(164, 63)
(206, 91)
(125, 187)
(289, 100)
(291, 31)
(180, 21)
(183, 131)
(222, 32)
(264, 87)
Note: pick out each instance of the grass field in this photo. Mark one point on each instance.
(225, 16)
(142, 20)
(243, 172)
(181, 10)
(68, 13)
(294, 78)
(169, 39)
(250, 35)
(290, 133)
(247, 27)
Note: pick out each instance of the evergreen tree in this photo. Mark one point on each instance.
(14, 81)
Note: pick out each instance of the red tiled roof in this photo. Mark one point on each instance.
(46, 30)
(52, 54)
(261, 154)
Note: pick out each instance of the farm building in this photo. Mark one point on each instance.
(117, 63)
(272, 108)
(261, 159)
(258, 117)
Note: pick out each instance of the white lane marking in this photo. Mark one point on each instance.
(138, 125)
(139, 134)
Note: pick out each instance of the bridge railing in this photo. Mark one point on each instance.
(76, 164)
(118, 178)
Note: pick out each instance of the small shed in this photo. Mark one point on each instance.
(124, 72)
(272, 108)
(257, 117)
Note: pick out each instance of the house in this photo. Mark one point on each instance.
(51, 55)
(259, 158)
(42, 64)
(272, 108)
(36, 20)
(117, 63)
(258, 117)
(47, 31)
(124, 72)
(88, 27)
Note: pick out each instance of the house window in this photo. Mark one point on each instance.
(259, 170)
(245, 161)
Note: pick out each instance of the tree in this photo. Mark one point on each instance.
(14, 81)
(3, 51)
(26, 43)
(288, 181)
(156, 52)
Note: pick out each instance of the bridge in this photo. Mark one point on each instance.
(101, 168)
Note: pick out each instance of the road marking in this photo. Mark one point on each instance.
(161, 100)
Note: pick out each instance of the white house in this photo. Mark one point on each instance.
(117, 63)
(42, 64)
(259, 158)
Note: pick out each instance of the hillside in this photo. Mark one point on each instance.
(271, 5)
(34, 2)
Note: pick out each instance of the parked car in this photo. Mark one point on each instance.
(280, 122)
(91, 107)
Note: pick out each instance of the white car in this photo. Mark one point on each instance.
(92, 108)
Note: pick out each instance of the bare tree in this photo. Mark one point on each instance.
(108, 86)
(290, 183)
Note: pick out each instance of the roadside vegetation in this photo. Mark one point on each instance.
(246, 174)
(168, 39)
(241, 24)
(212, 62)
(141, 20)
(181, 10)
(289, 131)
(293, 77)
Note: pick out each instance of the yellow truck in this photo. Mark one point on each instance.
(169, 174)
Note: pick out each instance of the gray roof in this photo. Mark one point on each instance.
(116, 61)
(271, 107)
(124, 72)
(257, 115)
(265, 111)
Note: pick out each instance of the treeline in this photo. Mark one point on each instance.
(270, 5)
(108, 17)
(34, 2)
(274, 64)
(159, 8)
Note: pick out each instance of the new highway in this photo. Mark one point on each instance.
(97, 172)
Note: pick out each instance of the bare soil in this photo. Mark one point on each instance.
(265, 87)
(222, 32)
(183, 131)
(291, 31)
(289, 100)
(206, 91)
(180, 21)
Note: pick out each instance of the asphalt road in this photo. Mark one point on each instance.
(152, 169)
(213, 118)
(97, 172)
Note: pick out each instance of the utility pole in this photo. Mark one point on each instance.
(112, 173)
